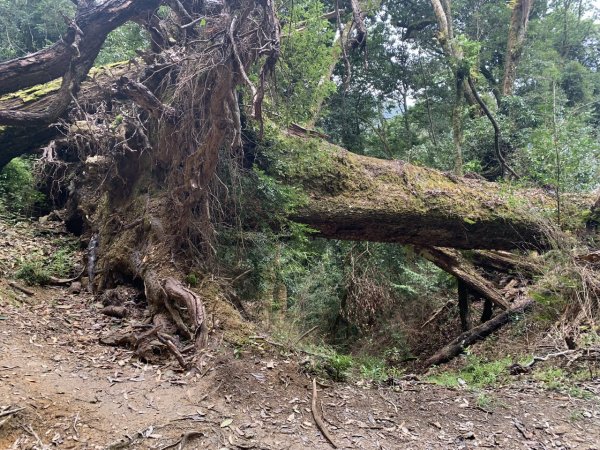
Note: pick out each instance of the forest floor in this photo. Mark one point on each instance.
(69, 391)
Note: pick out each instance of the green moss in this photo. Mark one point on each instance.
(33, 93)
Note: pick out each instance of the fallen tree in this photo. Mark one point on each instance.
(354, 197)
(133, 160)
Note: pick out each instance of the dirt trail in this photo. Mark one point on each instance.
(77, 393)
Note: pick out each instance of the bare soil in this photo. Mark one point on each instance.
(77, 393)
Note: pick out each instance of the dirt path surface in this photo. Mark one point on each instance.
(69, 391)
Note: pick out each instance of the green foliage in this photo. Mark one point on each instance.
(557, 379)
(18, 193)
(338, 366)
(34, 272)
(38, 269)
(485, 401)
(30, 25)
(476, 373)
(192, 280)
(305, 56)
(121, 44)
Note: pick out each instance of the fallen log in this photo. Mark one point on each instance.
(478, 333)
(355, 197)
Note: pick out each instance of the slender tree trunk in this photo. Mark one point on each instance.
(516, 38)
(457, 130)
(464, 306)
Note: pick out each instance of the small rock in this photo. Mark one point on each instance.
(75, 287)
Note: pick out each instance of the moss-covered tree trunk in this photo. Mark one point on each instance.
(354, 197)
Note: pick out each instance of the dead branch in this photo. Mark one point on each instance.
(437, 313)
(18, 287)
(11, 411)
(478, 333)
(571, 355)
(316, 416)
(497, 134)
(240, 66)
(87, 32)
(306, 333)
(452, 262)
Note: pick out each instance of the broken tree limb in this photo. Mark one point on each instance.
(84, 38)
(437, 313)
(506, 262)
(315, 412)
(478, 333)
(452, 262)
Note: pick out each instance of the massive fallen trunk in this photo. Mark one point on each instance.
(354, 197)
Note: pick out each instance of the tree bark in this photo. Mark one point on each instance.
(452, 262)
(519, 21)
(356, 197)
(92, 23)
(464, 305)
(478, 333)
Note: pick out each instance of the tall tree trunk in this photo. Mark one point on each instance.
(519, 21)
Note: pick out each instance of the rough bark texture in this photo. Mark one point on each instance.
(516, 37)
(84, 38)
(355, 197)
(454, 263)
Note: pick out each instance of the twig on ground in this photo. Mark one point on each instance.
(572, 355)
(11, 411)
(180, 444)
(20, 288)
(318, 420)
(387, 400)
(31, 431)
(74, 426)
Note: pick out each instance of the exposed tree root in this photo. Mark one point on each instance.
(318, 420)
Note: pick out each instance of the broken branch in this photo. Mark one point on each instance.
(317, 418)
